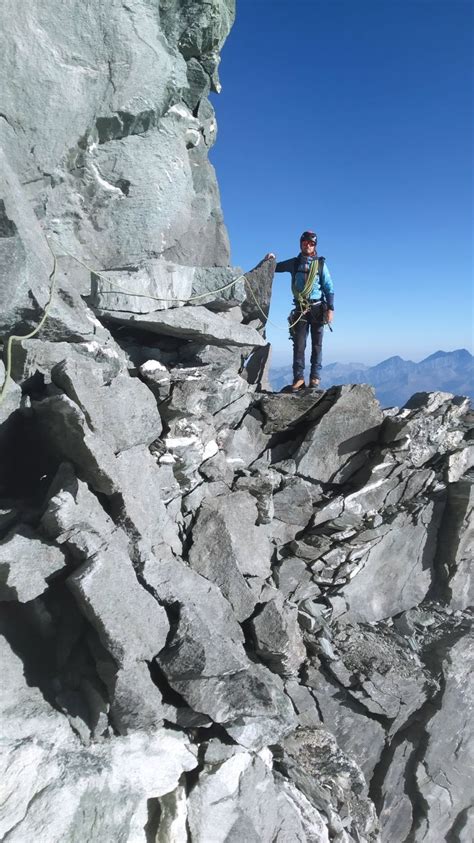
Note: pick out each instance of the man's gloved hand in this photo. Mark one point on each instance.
(329, 316)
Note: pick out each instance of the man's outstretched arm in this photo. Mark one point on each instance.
(282, 266)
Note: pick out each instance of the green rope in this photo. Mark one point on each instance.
(13, 337)
(146, 295)
(301, 296)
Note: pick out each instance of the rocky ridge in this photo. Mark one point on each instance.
(226, 614)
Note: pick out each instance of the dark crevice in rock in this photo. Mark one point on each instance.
(350, 702)
(52, 638)
(153, 821)
(170, 696)
(460, 823)
(417, 733)
(376, 785)
(448, 540)
(7, 226)
(123, 123)
(27, 464)
(204, 734)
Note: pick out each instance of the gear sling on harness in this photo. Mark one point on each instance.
(302, 296)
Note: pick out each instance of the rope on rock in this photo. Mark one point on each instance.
(184, 301)
(11, 339)
(53, 280)
(146, 295)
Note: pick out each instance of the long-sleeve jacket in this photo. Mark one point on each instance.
(322, 289)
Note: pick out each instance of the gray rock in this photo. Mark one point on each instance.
(130, 622)
(54, 785)
(233, 414)
(74, 516)
(139, 479)
(212, 279)
(293, 503)
(260, 484)
(133, 474)
(396, 813)
(455, 549)
(381, 673)
(278, 640)
(190, 442)
(257, 368)
(173, 814)
(360, 736)
(428, 424)
(259, 289)
(123, 412)
(206, 390)
(132, 627)
(206, 663)
(460, 462)
(27, 265)
(294, 580)
(300, 821)
(339, 788)
(284, 412)
(236, 800)
(244, 445)
(27, 563)
(444, 773)
(304, 702)
(37, 355)
(231, 551)
(12, 395)
(384, 586)
(64, 427)
(349, 425)
(155, 285)
(195, 323)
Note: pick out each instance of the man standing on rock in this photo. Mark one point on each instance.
(313, 296)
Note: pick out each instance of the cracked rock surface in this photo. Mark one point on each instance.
(225, 614)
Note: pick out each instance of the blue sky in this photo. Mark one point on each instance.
(354, 119)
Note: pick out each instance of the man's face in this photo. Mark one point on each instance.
(308, 247)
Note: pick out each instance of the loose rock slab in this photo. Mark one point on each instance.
(231, 551)
(191, 323)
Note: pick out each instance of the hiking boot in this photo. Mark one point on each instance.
(314, 383)
(297, 385)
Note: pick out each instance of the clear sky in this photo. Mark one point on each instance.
(354, 118)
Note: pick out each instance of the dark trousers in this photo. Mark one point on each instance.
(312, 321)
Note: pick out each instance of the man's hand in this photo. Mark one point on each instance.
(329, 316)
(270, 255)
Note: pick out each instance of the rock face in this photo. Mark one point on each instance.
(226, 614)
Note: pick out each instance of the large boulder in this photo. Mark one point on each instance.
(27, 564)
(384, 585)
(444, 773)
(329, 452)
(195, 323)
(57, 789)
(231, 551)
(206, 663)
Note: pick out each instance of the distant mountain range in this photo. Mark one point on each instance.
(395, 380)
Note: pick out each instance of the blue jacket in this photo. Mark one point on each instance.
(323, 288)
